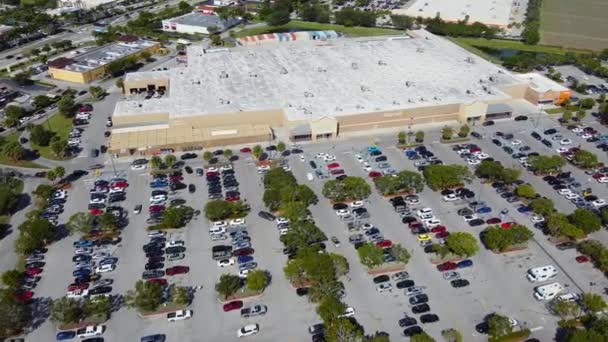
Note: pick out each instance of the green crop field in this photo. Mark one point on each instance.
(578, 24)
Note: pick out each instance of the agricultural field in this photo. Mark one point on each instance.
(578, 24)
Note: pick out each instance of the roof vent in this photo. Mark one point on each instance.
(320, 69)
(360, 106)
(354, 66)
(283, 71)
(251, 74)
(470, 60)
(469, 92)
(338, 109)
(381, 62)
(365, 88)
(395, 102)
(308, 94)
(223, 74)
(421, 50)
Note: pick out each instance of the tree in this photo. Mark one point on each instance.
(585, 159)
(145, 55)
(177, 217)
(12, 279)
(329, 309)
(499, 326)
(184, 7)
(447, 133)
(170, 160)
(281, 146)
(80, 222)
(257, 280)
(51, 175)
(59, 146)
(340, 264)
(228, 285)
(400, 253)
(40, 136)
(350, 188)
(462, 243)
(452, 335)
(542, 206)
(96, 92)
(216, 39)
(344, 330)
(66, 310)
(9, 199)
(510, 175)
(489, 169)
(278, 18)
(59, 171)
(587, 103)
(558, 225)
(23, 78)
(120, 83)
(108, 221)
(464, 131)
(499, 239)
(257, 151)
(370, 255)
(445, 176)
(547, 164)
(14, 151)
(99, 306)
(66, 106)
(146, 296)
(41, 101)
(402, 22)
(526, 191)
(156, 162)
(580, 114)
(217, 210)
(567, 115)
(565, 309)
(419, 136)
(593, 302)
(294, 211)
(422, 337)
(44, 192)
(180, 295)
(401, 137)
(207, 156)
(404, 181)
(228, 153)
(586, 220)
(34, 233)
(15, 315)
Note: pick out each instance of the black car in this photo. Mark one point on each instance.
(429, 318)
(476, 135)
(476, 222)
(419, 299)
(464, 212)
(381, 279)
(152, 274)
(175, 249)
(188, 169)
(81, 258)
(536, 136)
(156, 259)
(411, 331)
(483, 328)
(404, 284)
(313, 164)
(153, 338)
(187, 156)
(155, 253)
(191, 188)
(341, 177)
(302, 291)
(380, 159)
(550, 131)
(457, 283)
(496, 142)
(266, 216)
(407, 321)
(521, 118)
(100, 290)
(566, 245)
(547, 143)
(507, 149)
(488, 123)
(408, 219)
(154, 266)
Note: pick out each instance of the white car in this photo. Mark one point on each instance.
(473, 161)
(85, 250)
(287, 168)
(302, 159)
(136, 167)
(384, 287)
(450, 197)
(564, 191)
(244, 272)
(174, 243)
(342, 212)
(77, 294)
(565, 142)
(349, 312)
(60, 194)
(482, 156)
(367, 226)
(599, 203)
(249, 329)
(179, 315)
(212, 169)
(468, 218)
(97, 200)
(414, 290)
(577, 129)
(562, 150)
(238, 222)
(282, 220)
(431, 223)
(537, 218)
(105, 268)
(572, 196)
(513, 322)
(90, 331)
(516, 142)
(225, 262)
(357, 204)
(321, 155)
(220, 224)
(74, 141)
(157, 233)
(329, 158)
(226, 167)
(101, 255)
(366, 167)
(359, 158)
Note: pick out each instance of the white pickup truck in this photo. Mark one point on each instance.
(179, 315)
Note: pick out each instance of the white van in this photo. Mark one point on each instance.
(540, 274)
(547, 292)
(310, 177)
(424, 211)
(214, 230)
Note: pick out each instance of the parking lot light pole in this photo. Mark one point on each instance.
(113, 165)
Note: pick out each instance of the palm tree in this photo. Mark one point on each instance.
(156, 163)
(419, 136)
(207, 156)
(228, 153)
(281, 146)
(59, 171)
(401, 137)
(170, 159)
(257, 151)
(14, 151)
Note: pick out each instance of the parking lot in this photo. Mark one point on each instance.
(491, 276)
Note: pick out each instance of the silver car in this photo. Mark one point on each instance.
(248, 266)
(451, 275)
(414, 290)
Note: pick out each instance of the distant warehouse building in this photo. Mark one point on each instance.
(92, 65)
(310, 87)
(198, 22)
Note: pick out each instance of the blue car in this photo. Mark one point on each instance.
(524, 209)
(244, 258)
(65, 335)
(465, 263)
(372, 149)
(410, 153)
(81, 272)
(483, 210)
(83, 243)
(159, 185)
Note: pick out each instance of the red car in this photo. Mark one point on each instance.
(493, 220)
(439, 229)
(243, 251)
(24, 296)
(507, 225)
(333, 165)
(374, 174)
(598, 175)
(177, 270)
(415, 224)
(161, 281)
(156, 208)
(120, 185)
(176, 178)
(447, 266)
(33, 271)
(74, 286)
(442, 235)
(233, 198)
(211, 174)
(96, 211)
(474, 149)
(234, 305)
(384, 244)
(582, 259)
(245, 150)
(337, 172)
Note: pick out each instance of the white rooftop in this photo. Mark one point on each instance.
(541, 83)
(490, 12)
(312, 79)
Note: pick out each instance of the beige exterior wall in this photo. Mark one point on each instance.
(475, 109)
(140, 84)
(151, 118)
(326, 126)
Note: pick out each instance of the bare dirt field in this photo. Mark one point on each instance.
(579, 24)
